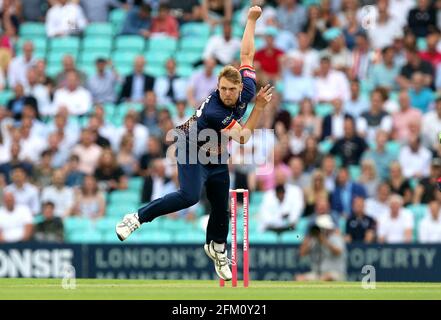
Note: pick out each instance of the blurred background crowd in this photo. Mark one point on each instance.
(89, 90)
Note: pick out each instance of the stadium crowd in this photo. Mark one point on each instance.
(355, 119)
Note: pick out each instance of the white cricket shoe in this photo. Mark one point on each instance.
(126, 227)
(221, 262)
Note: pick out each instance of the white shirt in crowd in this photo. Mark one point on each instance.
(78, 102)
(375, 208)
(13, 224)
(272, 210)
(63, 199)
(363, 128)
(432, 123)
(383, 35)
(225, 51)
(32, 147)
(141, 135)
(393, 230)
(337, 126)
(41, 93)
(26, 196)
(414, 163)
(65, 20)
(429, 230)
(18, 70)
(310, 58)
(334, 85)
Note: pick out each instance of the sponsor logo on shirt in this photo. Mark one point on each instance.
(249, 74)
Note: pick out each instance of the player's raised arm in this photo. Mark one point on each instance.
(247, 48)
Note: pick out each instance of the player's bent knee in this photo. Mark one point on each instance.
(190, 199)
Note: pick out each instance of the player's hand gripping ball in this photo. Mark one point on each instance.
(254, 13)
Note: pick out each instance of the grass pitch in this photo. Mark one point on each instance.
(87, 289)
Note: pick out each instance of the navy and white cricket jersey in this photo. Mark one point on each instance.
(213, 114)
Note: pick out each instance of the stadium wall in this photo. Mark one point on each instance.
(268, 262)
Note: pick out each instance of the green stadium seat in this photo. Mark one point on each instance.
(65, 44)
(103, 44)
(292, 108)
(52, 70)
(110, 236)
(302, 226)
(323, 109)
(419, 211)
(325, 146)
(88, 69)
(174, 225)
(193, 44)
(84, 237)
(90, 57)
(185, 70)
(124, 58)
(56, 57)
(117, 17)
(163, 44)
(125, 196)
(99, 29)
(355, 172)
(157, 57)
(421, 44)
(195, 29)
(190, 237)
(5, 96)
(126, 107)
(32, 29)
(291, 237)
(120, 209)
(72, 224)
(136, 183)
(264, 238)
(259, 43)
(123, 69)
(393, 147)
(155, 70)
(187, 57)
(40, 43)
(130, 43)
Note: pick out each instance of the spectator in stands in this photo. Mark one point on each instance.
(432, 54)
(368, 177)
(351, 146)
(126, 157)
(315, 191)
(415, 159)
(404, 117)
(136, 84)
(76, 98)
(19, 66)
(330, 84)
(191, 10)
(155, 181)
(329, 170)
(333, 124)
(396, 225)
(109, 174)
(293, 77)
(15, 220)
(376, 118)
(14, 162)
(102, 84)
(384, 74)
(96, 126)
(432, 124)
(65, 18)
(297, 136)
(311, 155)
(268, 58)
(19, 101)
(40, 92)
(216, 11)
(89, 200)
(360, 227)
(181, 115)
(429, 229)
(223, 48)
(357, 104)
(138, 21)
(275, 162)
(88, 152)
(171, 87)
(337, 51)
(149, 114)
(281, 207)
(60, 153)
(377, 206)
(34, 10)
(51, 229)
(67, 131)
(380, 155)
(311, 122)
(154, 151)
(24, 192)
(202, 83)
(351, 26)
(164, 23)
(60, 195)
(98, 10)
(399, 184)
(421, 96)
(298, 175)
(345, 192)
(291, 15)
(31, 144)
(326, 247)
(43, 170)
(427, 188)
(422, 18)
(385, 29)
(308, 55)
(69, 66)
(139, 132)
(74, 177)
(415, 64)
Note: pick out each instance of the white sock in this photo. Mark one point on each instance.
(219, 247)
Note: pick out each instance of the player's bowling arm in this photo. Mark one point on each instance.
(247, 48)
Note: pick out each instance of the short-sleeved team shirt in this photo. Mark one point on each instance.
(213, 114)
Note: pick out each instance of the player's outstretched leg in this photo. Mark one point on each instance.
(217, 186)
(190, 182)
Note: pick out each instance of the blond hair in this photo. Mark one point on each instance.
(231, 74)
